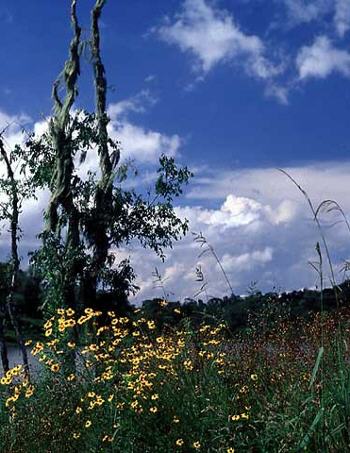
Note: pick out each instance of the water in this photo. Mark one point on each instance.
(15, 358)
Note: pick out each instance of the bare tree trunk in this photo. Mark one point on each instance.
(103, 203)
(14, 257)
(62, 195)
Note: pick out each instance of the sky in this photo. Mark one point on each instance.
(234, 89)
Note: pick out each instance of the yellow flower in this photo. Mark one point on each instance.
(196, 445)
(4, 380)
(188, 365)
(154, 397)
(253, 377)
(88, 424)
(48, 332)
(9, 400)
(29, 391)
(107, 438)
(83, 319)
(177, 310)
(78, 410)
(48, 325)
(76, 435)
(245, 416)
(70, 312)
(234, 418)
(151, 325)
(179, 442)
(176, 420)
(93, 347)
(153, 409)
(71, 377)
(28, 342)
(69, 323)
(60, 311)
(55, 368)
(71, 344)
(231, 450)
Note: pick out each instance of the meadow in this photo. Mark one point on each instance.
(125, 384)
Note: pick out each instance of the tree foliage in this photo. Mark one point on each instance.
(90, 216)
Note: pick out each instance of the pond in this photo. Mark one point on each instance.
(15, 358)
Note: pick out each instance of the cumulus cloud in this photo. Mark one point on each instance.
(322, 59)
(237, 212)
(143, 145)
(211, 36)
(246, 261)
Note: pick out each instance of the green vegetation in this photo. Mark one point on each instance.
(137, 387)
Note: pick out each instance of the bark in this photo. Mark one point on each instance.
(103, 202)
(62, 196)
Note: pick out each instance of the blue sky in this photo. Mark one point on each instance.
(232, 88)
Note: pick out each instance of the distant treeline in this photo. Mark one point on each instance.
(234, 310)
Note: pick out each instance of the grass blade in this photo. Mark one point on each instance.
(316, 367)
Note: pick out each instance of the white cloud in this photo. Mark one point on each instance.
(278, 92)
(246, 261)
(143, 145)
(342, 16)
(234, 212)
(305, 11)
(138, 103)
(212, 37)
(238, 212)
(322, 59)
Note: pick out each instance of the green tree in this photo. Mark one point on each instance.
(86, 218)
(15, 189)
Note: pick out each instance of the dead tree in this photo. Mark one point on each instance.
(62, 199)
(103, 199)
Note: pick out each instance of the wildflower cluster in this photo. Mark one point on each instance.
(126, 371)
(119, 383)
